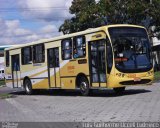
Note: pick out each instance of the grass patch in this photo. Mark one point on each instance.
(2, 82)
(157, 76)
(4, 96)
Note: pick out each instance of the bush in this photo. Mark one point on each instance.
(2, 82)
(157, 76)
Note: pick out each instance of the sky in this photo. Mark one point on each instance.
(24, 21)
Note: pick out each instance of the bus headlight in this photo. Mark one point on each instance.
(150, 73)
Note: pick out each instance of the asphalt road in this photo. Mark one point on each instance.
(138, 103)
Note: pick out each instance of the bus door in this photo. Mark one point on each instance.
(16, 76)
(97, 52)
(53, 67)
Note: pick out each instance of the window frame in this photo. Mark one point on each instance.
(109, 60)
(70, 48)
(83, 47)
(23, 56)
(34, 56)
(7, 58)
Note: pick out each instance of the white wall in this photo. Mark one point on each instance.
(1, 62)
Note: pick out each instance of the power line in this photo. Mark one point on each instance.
(39, 20)
(33, 19)
(26, 35)
(36, 8)
(31, 9)
(48, 19)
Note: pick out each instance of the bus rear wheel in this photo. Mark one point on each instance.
(28, 87)
(84, 86)
(119, 90)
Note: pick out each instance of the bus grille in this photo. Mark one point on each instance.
(131, 82)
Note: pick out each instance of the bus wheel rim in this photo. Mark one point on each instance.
(83, 86)
(27, 87)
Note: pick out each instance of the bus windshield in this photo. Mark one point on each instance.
(131, 49)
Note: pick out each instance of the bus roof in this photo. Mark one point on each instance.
(90, 30)
(5, 46)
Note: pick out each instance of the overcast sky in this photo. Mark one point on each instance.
(23, 21)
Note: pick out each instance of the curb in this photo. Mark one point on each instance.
(2, 86)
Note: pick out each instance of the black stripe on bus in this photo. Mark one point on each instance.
(72, 76)
(37, 78)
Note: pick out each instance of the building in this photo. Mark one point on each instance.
(2, 55)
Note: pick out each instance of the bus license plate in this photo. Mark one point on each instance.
(132, 75)
(137, 79)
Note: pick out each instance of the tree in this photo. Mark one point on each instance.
(89, 14)
(83, 18)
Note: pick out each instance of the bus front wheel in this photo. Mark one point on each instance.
(28, 87)
(119, 90)
(84, 86)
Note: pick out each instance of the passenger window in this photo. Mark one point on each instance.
(67, 49)
(53, 57)
(26, 55)
(79, 48)
(38, 53)
(2, 71)
(56, 51)
(7, 58)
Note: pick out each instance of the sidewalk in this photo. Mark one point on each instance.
(7, 90)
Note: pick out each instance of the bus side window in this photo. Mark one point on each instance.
(26, 55)
(79, 47)
(109, 56)
(38, 53)
(56, 57)
(66, 49)
(7, 58)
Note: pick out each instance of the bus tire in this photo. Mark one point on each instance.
(119, 90)
(84, 86)
(28, 87)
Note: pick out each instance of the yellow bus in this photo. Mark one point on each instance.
(113, 56)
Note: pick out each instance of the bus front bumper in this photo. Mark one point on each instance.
(115, 81)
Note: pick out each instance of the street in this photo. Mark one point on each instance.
(138, 103)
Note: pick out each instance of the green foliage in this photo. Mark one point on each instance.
(89, 14)
(2, 82)
(157, 76)
(84, 16)
(5, 96)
